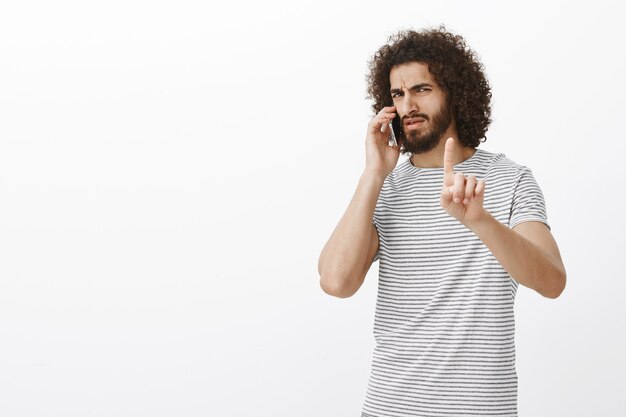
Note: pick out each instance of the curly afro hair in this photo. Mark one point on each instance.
(453, 65)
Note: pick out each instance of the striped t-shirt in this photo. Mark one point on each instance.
(444, 323)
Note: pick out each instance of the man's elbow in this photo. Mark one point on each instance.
(558, 285)
(332, 287)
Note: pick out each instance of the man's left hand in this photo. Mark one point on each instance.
(462, 196)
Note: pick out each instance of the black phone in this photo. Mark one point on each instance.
(395, 131)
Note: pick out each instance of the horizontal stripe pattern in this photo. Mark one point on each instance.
(444, 322)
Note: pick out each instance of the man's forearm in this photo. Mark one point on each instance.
(527, 263)
(344, 255)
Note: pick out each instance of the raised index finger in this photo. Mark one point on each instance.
(448, 162)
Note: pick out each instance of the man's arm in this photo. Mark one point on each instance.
(528, 252)
(347, 256)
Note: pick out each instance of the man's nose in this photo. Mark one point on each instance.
(407, 105)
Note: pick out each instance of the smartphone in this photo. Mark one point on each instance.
(394, 131)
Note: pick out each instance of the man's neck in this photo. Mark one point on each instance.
(434, 157)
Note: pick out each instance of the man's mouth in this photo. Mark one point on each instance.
(413, 123)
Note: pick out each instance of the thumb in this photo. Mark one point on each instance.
(479, 192)
(446, 195)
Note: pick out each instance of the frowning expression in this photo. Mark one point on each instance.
(421, 106)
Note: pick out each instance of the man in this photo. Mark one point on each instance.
(456, 229)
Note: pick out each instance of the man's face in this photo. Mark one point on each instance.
(421, 106)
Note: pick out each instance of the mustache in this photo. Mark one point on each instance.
(412, 115)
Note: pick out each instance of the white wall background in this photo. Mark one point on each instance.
(170, 171)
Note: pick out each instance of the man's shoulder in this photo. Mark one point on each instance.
(498, 162)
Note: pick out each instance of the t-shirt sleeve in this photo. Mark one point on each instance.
(376, 223)
(528, 202)
(377, 254)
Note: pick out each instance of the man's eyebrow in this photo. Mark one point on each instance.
(415, 87)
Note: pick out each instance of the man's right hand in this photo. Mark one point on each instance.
(381, 158)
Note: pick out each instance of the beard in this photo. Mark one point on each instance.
(414, 142)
